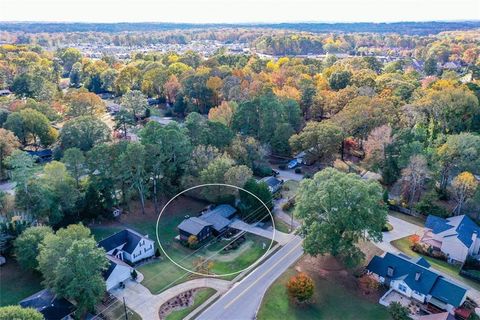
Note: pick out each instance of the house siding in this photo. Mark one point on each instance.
(454, 248)
(144, 250)
(120, 274)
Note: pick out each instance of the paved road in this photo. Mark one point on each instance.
(243, 300)
(289, 175)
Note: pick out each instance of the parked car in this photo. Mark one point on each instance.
(293, 164)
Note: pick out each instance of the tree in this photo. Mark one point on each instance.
(8, 143)
(84, 104)
(414, 176)
(281, 136)
(31, 127)
(83, 133)
(76, 74)
(398, 311)
(21, 166)
(133, 163)
(192, 241)
(430, 66)
(74, 161)
(171, 149)
(72, 264)
(339, 80)
(223, 113)
(69, 57)
(339, 210)
(251, 208)
(247, 151)
(464, 186)
(19, 313)
(172, 87)
(135, 102)
(123, 120)
(301, 288)
(238, 175)
(26, 246)
(376, 143)
(460, 152)
(320, 140)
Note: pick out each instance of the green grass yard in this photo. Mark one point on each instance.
(403, 245)
(17, 284)
(290, 188)
(331, 301)
(200, 297)
(419, 221)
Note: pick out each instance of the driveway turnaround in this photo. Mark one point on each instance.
(142, 301)
(401, 229)
(243, 300)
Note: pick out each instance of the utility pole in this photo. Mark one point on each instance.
(125, 309)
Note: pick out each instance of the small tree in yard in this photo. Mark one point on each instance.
(398, 312)
(134, 274)
(368, 284)
(301, 288)
(192, 241)
(157, 253)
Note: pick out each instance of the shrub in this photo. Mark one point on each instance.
(157, 253)
(288, 205)
(368, 284)
(398, 312)
(134, 274)
(262, 171)
(301, 288)
(298, 170)
(428, 206)
(19, 313)
(387, 227)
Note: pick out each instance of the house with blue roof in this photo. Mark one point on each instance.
(415, 279)
(457, 237)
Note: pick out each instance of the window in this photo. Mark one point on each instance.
(402, 287)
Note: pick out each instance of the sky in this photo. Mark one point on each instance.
(234, 11)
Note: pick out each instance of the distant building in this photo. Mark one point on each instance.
(49, 305)
(457, 237)
(415, 279)
(42, 156)
(274, 184)
(213, 222)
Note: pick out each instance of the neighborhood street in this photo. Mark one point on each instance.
(243, 300)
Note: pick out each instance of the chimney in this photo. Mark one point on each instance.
(417, 276)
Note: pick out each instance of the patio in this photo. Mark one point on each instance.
(414, 306)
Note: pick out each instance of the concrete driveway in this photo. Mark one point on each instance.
(401, 229)
(289, 175)
(281, 237)
(142, 301)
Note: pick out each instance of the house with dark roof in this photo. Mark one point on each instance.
(274, 184)
(49, 305)
(213, 222)
(457, 237)
(414, 278)
(42, 156)
(128, 245)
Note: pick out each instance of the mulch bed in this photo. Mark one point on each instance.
(182, 301)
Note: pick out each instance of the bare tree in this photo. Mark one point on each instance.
(413, 177)
(376, 143)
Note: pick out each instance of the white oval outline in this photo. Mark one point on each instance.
(216, 275)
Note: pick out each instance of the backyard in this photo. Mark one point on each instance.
(17, 284)
(404, 245)
(335, 297)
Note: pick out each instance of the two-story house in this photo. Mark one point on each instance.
(457, 237)
(415, 279)
(128, 245)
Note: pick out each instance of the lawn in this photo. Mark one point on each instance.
(117, 311)
(201, 296)
(403, 245)
(419, 221)
(331, 301)
(281, 226)
(289, 189)
(16, 284)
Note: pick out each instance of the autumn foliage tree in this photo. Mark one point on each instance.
(464, 186)
(301, 288)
